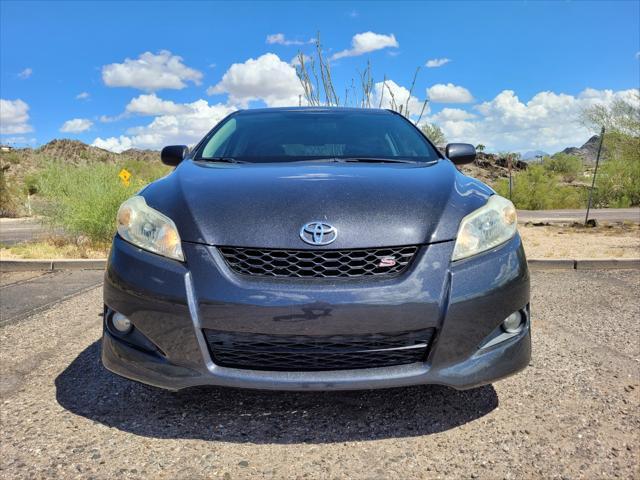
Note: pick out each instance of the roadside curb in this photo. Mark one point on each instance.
(584, 264)
(50, 265)
(551, 264)
(608, 264)
(534, 264)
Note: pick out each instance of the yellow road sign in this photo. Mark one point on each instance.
(125, 177)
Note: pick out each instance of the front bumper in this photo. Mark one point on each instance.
(171, 303)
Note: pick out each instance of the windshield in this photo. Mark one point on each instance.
(288, 136)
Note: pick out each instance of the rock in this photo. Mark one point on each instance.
(588, 152)
(592, 222)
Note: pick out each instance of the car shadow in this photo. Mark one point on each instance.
(87, 389)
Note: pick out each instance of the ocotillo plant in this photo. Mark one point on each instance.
(314, 73)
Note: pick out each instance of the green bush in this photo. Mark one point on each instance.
(569, 167)
(537, 189)
(84, 200)
(618, 183)
(9, 198)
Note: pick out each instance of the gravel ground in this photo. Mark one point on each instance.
(555, 241)
(572, 414)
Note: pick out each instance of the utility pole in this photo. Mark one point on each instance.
(510, 180)
(595, 172)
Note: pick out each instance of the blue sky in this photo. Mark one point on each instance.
(516, 77)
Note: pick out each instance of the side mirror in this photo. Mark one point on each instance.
(460, 153)
(173, 154)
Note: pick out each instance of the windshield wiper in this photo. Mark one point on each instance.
(373, 160)
(222, 159)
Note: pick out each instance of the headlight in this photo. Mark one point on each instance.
(485, 228)
(147, 228)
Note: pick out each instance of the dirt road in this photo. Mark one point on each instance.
(574, 413)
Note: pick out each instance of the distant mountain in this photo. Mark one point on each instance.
(533, 154)
(588, 152)
(77, 152)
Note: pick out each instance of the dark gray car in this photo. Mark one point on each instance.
(316, 249)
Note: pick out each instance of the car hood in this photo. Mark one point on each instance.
(370, 205)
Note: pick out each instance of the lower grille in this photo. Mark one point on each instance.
(319, 263)
(314, 353)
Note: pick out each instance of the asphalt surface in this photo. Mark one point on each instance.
(25, 293)
(578, 215)
(19, 230)
(574, 413)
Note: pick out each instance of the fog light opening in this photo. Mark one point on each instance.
(121, 323)
(513, 323)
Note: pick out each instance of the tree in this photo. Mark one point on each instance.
(480, 147)
(618, 183)
(434, 133)
(621, 116)
(621, 120)
(569, 167)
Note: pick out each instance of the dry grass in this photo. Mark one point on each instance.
(54, 248)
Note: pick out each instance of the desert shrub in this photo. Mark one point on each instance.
(84, 200)
(10, 157)
(538, 189)
(569, 167)
(145, 170)
(618, 183)
(434, 133)
(10, 204)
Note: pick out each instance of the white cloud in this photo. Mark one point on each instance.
(26, 73)
(452, 114)
(21, 140)
(14, 117)
(189, 123)
(548, 121)
(280, 39)
(390, 92)
(366, 42)
(109, 119)
(113, 144)
(151, 72)
(265, 78)
(83, 96)
(437, 62)
(152, 105)
(147, 105)
(449, 93)
(76, 125)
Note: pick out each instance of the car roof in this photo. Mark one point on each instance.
(371, 111)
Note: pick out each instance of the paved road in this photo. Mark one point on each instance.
(23, 293)
(574, 413)
(577, 215)
(17, 230)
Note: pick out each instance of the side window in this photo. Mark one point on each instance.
(217, 144)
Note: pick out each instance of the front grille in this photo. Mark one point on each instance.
(319, 263)
(313, 353)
